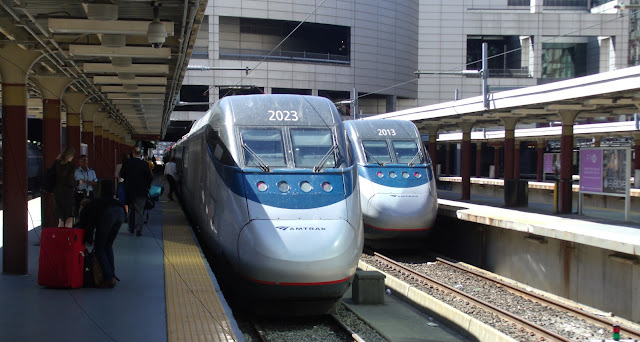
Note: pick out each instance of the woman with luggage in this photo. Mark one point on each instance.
(101, 219)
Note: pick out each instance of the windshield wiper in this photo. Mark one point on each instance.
(263, 166)
(414, 158)
(374, 158)
(320, 165)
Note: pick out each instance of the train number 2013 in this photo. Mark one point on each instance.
(386, 131)
(283, 115)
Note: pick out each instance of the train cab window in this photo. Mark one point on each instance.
(311, 145)
(376, 151)
(407, 152)
(262, 146)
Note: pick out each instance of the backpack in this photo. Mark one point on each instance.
(50, 178)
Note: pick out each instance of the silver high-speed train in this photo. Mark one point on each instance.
(270, 183)
(397, 187)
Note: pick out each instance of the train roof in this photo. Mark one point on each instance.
(279, 109)
(369, 129)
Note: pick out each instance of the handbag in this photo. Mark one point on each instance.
(93, 276)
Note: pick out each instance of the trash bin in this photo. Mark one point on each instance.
(516, 192)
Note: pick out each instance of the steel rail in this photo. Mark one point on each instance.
(598, 320)
(347, 329)
(538, 330)
(260, 332)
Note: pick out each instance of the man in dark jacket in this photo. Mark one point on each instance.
(137, 180)
(103, 216)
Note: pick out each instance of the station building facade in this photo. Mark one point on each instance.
(375, 48)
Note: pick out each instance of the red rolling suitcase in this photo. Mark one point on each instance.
(61, 261)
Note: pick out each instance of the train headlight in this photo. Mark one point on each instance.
(327, 187)
(417, 174)
(305, 186)
(283, 186)
(262, 186)
(392, 174)
(380, 174)
(405, 175)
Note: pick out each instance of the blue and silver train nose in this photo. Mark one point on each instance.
(293, 253)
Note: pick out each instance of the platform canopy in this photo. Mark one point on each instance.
(594, 98)
(106, 48)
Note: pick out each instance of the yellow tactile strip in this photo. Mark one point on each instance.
(194, 312)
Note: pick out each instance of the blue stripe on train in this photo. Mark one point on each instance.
(245, 181)
(370, 172)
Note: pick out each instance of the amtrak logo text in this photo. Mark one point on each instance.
(299, 228)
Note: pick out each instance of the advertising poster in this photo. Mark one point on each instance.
(614, 165)
(591, 170)
(552, 163)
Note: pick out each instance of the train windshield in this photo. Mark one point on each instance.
(313, 147)
(407, 152)
(263, 147)
(376, 151)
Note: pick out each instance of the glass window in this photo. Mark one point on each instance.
(310, 145)
(376, 151)
(564, 60)
(266, 144)
(406, 150)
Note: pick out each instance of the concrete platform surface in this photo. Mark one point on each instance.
(135, 310)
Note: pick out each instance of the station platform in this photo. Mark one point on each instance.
(611, 233)
(167, 291)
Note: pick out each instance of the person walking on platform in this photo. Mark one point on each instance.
(170, 174)
(64, 186)
(86, 179)
(102, 218)
(137, 180)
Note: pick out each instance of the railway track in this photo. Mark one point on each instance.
(533, 329)
(323, 328)
(587, 316)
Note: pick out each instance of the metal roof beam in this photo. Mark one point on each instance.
(83, 26)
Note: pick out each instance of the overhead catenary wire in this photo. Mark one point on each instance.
(272, 50)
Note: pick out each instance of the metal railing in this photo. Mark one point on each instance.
(280, 55)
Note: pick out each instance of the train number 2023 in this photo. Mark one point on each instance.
(386, 131)
(283, 115)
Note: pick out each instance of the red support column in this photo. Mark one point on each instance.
(636, 160)
(99, 158)
(540, 163)
(73, 102)
(479, 159)
(87, 138)
(433, 153)
(516, 161)
(496, 162)
(447, 160)
(566, 166)
(565, 188)
(51, 147)
(465, 160)
(14, 177)
(106, 152)
(433, 148)
(14, 66)
(73, 133)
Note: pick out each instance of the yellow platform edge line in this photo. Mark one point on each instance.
(188, 289)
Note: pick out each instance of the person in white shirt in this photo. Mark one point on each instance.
(170, 174)
(86, 179)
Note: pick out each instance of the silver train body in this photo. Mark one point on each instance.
(272, 187)
(397, 186)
